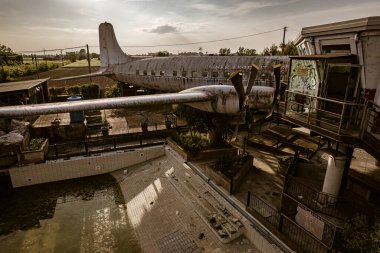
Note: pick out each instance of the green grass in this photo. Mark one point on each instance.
(29, 61)
(83, 63)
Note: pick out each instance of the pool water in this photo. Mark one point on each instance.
(79, 215)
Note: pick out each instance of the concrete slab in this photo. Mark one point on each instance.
(161, 207)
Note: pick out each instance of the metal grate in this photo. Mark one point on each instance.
(177, 241)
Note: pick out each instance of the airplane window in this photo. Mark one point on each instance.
(174, 72)
(204, 73)
(215, 74)
(145, 72)
(184, 73)
(194, 73)
(162, 72)
(152, 72)
(137, 72)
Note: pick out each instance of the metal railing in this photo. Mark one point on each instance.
(306, 241)
(289, 209)
(371, 127)
(269, 213)
(336, 206)
(104, 144)
(334, 116)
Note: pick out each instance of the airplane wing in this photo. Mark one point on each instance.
(105, 103)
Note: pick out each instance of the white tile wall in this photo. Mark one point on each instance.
(81, 166)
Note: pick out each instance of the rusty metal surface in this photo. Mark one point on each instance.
(99, 104)
(211, 98)
(173, 74)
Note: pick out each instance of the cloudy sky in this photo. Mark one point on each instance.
(37, 24)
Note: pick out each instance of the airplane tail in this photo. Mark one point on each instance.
(110, 51)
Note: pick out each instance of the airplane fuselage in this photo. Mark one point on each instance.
(178, 73)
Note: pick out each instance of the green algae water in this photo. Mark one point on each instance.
(79, 215)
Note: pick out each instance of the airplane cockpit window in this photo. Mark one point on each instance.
(174, 72)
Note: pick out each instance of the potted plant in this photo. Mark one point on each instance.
(36, 150)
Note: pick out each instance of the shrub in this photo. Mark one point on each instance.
(90, 91)
(42, 67)
(74, 90)
(112, 91)
(57, 91)
(4, 75)
(192, 141)
(35, 143)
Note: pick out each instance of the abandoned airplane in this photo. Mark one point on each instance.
(203, 82)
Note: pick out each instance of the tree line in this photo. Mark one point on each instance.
(280, 49)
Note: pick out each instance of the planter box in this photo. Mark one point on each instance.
(202, 155)
(222, 180)
(218, 177)
(35, 156)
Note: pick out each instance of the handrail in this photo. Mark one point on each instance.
(322, 98)
(344, 115)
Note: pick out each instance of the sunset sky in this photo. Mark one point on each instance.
(47, 24)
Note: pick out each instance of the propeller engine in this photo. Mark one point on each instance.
(237, 80)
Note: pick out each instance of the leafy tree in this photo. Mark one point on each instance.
(95, 56)
(225, 51)
(5, 49)
(82, 54)
(8, 57)
(200, 50)
(162, 53)
(71, 56)
(188, 53)
(288, 49)
(246, 51)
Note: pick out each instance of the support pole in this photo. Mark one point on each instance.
(88, 59)
(45, 57)
(61, 57)
(283, 39)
